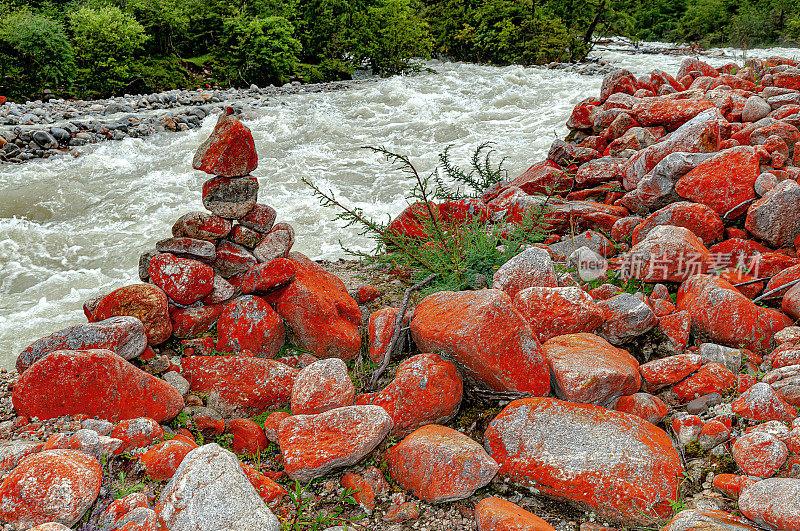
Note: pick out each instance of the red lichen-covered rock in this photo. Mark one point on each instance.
(119, 508)
(162, 460)
(229, 151)
(425, 390)
(762, 402)
(690, 64)
(146, 302)
(687, 428)
(485, 335)
(267, 277)
(362, 490)
(93, 382)
(201, 226)
(86, 441)
(532, 267)
(184, 281)
(319, 313)
(313, 445)
(544, 178)
(462, 211)
(724, 182)
(667, 254)
(497, 514)
(710, 519)
(261, 218)
(250, 323)
(321, 386)
(701, 134)
(618, 465)
(676, 327)
(266, 487)
(367, 294)
(774, 218)
(731, 484)
(582, 116)
(51, 486)
(790, 303)
(617, 81)
(587, 368)
(711, 378)
(772, 503)
(626, 317)
(713, 433)
(557, 311)
(599, 171)
(380, 329)
(723, 315)
(241, 384)
(136, 433)
(759, 454)
(669, 113)
(411, 221)
(246, 237)
(402, 512)
(195, 320)
(439, 464)
(232, 259)
(700, 219)
(247, 436)
(643, 405)
(125, 336)
(271, 424)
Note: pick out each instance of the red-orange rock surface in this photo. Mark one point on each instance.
(320, 386)
(51, 486)
(711, 378)
(497, 514)
(483, 333)
(241, 384)
(319, 313)
(184, 281)
(146, 302)
(313, 445)
(439, 464)
(618, 465)
(425, 390)
(229, 151)
(162, 460)
(93, 382)
(557, 311)
(723, 315)
(250, 323)
(587, 368)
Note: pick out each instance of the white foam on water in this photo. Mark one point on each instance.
(72, 228)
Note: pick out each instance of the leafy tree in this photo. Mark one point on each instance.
(165, 20)
(395, 35)
(260, 50)
(35, 54)
(106, 40)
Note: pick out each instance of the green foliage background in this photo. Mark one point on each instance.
(87, 48)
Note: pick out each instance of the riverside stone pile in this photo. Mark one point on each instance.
(634, 404)
(42, 129)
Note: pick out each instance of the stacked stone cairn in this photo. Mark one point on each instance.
(629, 399)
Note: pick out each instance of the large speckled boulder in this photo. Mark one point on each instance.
(210, 492)
(51, 486)
(439, 464)
(229, 151)
(125, 336)
(313, 445)
(615, 464)
(772, 503)
(486, 336)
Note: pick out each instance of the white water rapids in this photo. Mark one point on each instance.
(72, 228)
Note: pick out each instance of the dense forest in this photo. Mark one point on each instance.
(86, 48)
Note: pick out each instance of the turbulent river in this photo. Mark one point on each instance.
(73, 228)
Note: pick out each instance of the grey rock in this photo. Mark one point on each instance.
(44, 139)
(122, 335)
(725, 356)
(193, 248)
(591, 239)
(701, 404)
(230, 198)
(629, 318)
(176, 380)
(62, 136)
(276, 244)
(144, 264)
(775, 218)
(755, 108)
(209, 492)
(232, 259)
(12, 452)
(531, 267)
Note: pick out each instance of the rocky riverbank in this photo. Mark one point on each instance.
(639, 369)
(38, 129)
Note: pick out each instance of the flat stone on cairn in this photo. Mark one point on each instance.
(229, 151)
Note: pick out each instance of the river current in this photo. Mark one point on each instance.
(72, 228)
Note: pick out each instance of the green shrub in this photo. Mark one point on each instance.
(396, 34)
(34, 54)
(106, 40)
(259, 50)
